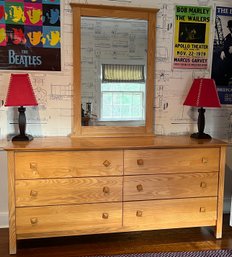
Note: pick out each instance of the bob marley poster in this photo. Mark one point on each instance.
(222, 54)
(30, 35)
(192, 25)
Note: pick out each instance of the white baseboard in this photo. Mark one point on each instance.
(4, 220)
(227, 204)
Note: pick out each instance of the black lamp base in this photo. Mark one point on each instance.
(200, 136)
(201, 126)
(22, 138)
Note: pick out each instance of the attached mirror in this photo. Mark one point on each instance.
(113, 87)
(113, 71)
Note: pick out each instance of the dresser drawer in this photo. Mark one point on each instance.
(80, 218)
(145, 187)
(176, 213)
(40, 192)
(60, 164)
(171, 160)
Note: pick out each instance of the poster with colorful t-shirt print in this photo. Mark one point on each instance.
(30, 35)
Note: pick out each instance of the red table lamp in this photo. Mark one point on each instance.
(203, 93)
(20, 93)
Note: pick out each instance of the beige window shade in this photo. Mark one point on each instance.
(122, 73)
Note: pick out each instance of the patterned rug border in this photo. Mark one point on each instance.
(203, 253)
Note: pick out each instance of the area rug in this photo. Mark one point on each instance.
(209, 253)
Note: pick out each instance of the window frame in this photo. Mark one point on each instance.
(131, 119)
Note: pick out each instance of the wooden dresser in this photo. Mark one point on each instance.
(61, 186)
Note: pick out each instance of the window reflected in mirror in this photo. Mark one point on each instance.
(113, 71)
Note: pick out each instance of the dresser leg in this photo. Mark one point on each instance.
(218, 234)
(11, 204)
(12, 243)
(218, 231)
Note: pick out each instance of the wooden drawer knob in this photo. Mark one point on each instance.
(106, 163)
(34, 221)
(202, 209)
(203, 185)
(140, 162)
(34, 193)
(139, 213)
(139, 187)
(105, 215)
(205, 160)
(33, 165)
(106, 190)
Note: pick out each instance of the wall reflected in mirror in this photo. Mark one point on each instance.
(113, 71)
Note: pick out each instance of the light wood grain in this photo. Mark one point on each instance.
(67, 164)
(76, 122)
(147, 187)
(11, 203)
(109, 131)
(112, 8)
(169, 182)
(150, 89)
(106, 143)
(171, 161)
(175, 213)
(42, 192)
(218, 231)
(67, 218)
(147, 14)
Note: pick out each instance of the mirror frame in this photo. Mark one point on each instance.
(103, 11)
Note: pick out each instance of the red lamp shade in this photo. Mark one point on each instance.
(203, 93)
(20, 91)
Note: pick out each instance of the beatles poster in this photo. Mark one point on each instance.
(30, 35)
(222, 54)
(191, 37)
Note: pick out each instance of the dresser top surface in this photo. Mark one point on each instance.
(87, 143)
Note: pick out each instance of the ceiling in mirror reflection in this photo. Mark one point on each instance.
(113, 42)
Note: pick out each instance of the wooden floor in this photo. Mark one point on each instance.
(136, 242)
